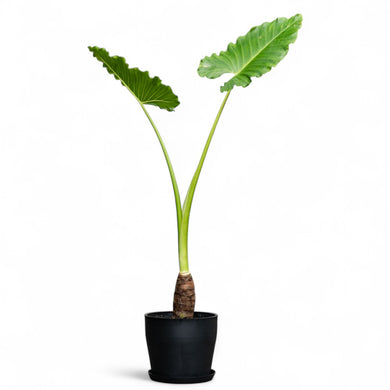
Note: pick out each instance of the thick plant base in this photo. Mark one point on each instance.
(166, 379)
(181, 350)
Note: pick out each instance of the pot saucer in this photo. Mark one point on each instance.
(198, 379)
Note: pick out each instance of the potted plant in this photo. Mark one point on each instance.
(181, 342)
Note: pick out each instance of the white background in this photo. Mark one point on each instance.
(289, 232)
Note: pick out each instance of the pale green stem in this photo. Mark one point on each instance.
(183, 231)
(167, 159)
(170, 168)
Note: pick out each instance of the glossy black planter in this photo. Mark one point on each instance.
(181, 351)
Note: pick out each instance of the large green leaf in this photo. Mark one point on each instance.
(146, 89)
(253, 54)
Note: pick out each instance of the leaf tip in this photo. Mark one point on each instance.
(92, 48)
(298, 17)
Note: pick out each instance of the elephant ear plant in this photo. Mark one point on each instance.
(251, 56)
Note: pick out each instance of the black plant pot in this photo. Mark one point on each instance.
(181, 351)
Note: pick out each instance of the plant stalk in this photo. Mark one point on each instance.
(183, 231)
(170, 168)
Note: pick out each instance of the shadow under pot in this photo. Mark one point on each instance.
(181, 351)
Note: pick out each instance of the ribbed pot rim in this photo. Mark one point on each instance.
(167, 315)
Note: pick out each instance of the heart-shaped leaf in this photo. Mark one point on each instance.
(254, 54)
(146, 90)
